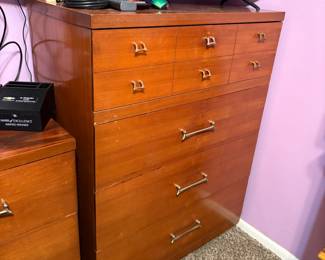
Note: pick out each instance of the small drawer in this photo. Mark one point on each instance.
(58, 240)
(126, 147)
(124, 209)
(183, 230)
(201, 74)
(257, 37)
(253, 65)
(129, 48)
(202, 42)
(119, 88)
(36, 194)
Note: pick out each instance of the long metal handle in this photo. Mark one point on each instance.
(210, 41)
(137, 86)
(139, 48)
(5, 212)
(185, 135)
(180, 190)
(176, 237)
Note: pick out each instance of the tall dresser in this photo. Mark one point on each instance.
(166, 108)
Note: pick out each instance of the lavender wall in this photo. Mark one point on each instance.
(9, 57)
(285, 197)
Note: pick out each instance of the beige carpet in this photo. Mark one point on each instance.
(232, 245)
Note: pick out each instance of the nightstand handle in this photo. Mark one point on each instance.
(210, 41)
(261, 37)
(137, 86)
(185, 135)
(196, 226)
(256, 64)
(139, 48)
(206, 74)
(5, 212)
(180, 190)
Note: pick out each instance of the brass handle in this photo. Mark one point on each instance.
(5, 212)
(256, 64)
(196, 226)
(139, 48)
(137, 86)
(261, 37)
(210, 41)
(185, 135)
(180, 190)
(206, 74)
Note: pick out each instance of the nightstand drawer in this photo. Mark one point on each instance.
(120, 49)
(252, 65)
(37, 193)
(201, 74)
(126, 147)
(123, 87)
(257, 37)
(202, 42)
(124, 209)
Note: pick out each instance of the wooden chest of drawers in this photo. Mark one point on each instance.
(166, 108)
(38, 211)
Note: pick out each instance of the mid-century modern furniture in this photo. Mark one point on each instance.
(38, 206)
(166, 108)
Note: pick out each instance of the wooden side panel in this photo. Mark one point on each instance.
(38, 193)
(58, 240)
(62, 54)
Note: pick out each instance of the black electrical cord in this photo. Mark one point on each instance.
(24, 40)
(21, 56)
(3, 45)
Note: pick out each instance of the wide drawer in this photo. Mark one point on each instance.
(257, 37)
(201, 42)
(118, 88)
(201, 74)
(124, 209)
(129, 48)
(188, 228)
(55, 241)
(252, 65)
(126, 147)
(37, 193)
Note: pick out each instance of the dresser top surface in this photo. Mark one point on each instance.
(19, 147)
(176, 15)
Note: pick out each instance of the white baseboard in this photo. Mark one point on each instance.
(281, 252)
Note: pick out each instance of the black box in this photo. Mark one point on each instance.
(26, 106)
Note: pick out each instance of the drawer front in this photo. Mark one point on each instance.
(250, 66)
(118, 88)
(201, 42)
(124, 209)
(129, 48)
(257, 37)
(55, 241)
(126, 147)
(215, 215)
(201, 74)
(37, 193)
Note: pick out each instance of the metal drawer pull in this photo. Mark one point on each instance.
(206, 74)
(5, 212)
(210, 41)
(180, 190)
(196, 226)
(137, 86)
(140, 48)
(256, 64)
(261, 37)
(186, 135)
